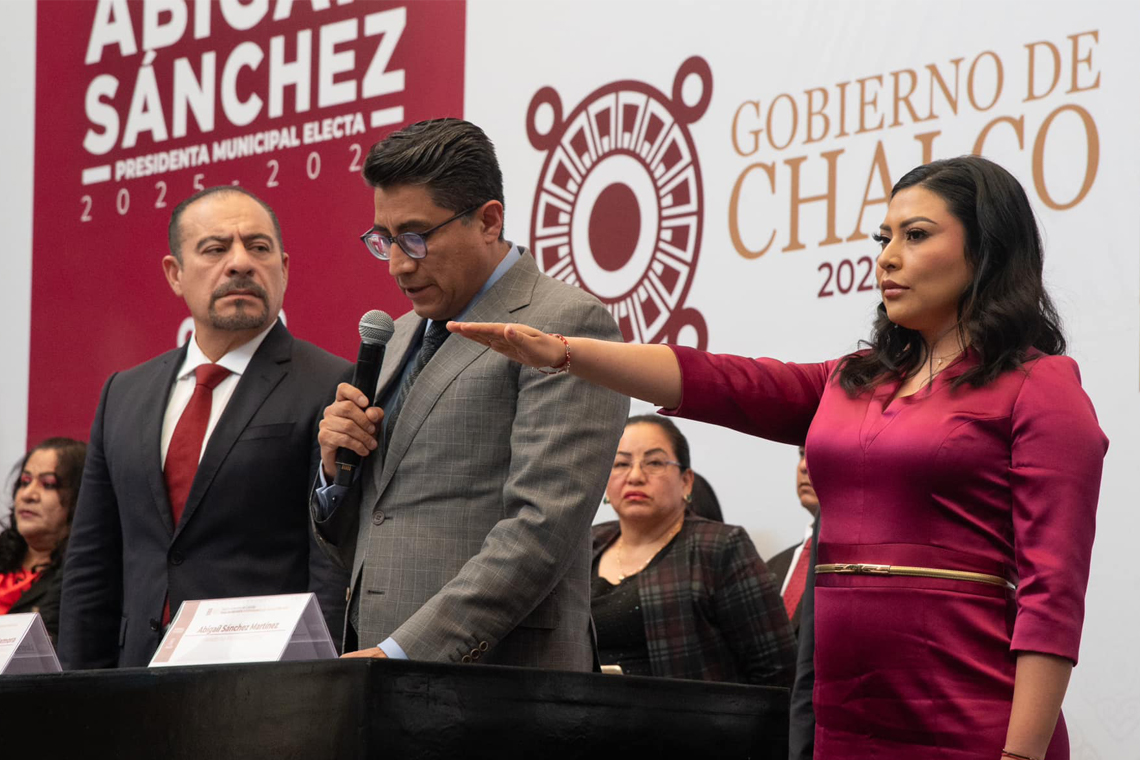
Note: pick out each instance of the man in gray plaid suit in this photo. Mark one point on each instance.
(467, 530)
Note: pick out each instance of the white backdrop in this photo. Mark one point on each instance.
(763, 59)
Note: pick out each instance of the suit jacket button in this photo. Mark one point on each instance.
(475, 654)
(176, 558)
(466, 658)
(377, 517)
(155, 625)
(483, 647)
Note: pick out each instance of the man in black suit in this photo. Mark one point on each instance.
(200, 459)
(801, 728)
(801, 723)
(784, 564)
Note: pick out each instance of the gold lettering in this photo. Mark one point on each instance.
(878, 162)
(936, 76)
(863, 103)
(1087, 60)
(905, 99)
(755, 132)
(795, 121)
(927, 140)
(1032, 48)
(842, 86)
(997, 87)
(812, 114)
(1092, 157)
(1018, 125)
(734, 211)
(798, 200)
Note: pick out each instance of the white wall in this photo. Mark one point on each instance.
(17, 94)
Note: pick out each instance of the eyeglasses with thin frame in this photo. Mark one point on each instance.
(414, 244)
(651, 467)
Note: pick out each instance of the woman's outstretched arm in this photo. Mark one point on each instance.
(648, 372)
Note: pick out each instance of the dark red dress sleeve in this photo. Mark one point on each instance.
(761, 397)
(1056, 457)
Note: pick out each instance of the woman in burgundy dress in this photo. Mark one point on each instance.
(957, 461)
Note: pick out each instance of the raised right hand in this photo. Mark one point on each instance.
(522, 343)
(348, 422)
(649, 372)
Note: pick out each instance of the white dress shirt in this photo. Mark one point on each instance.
(236, 361)
(796, 557)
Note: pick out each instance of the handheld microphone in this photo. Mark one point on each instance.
(376, 330)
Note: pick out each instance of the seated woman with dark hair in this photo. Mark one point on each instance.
(32, 547)
(675, 595)
(704, 502)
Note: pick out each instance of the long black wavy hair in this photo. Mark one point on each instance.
(70, 456)
(1004, 313)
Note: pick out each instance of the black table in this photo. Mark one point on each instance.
(383, 709)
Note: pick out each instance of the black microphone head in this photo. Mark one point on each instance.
(376, 328)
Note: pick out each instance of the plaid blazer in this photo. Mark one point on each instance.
(712, 610)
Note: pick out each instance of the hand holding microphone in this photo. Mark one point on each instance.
(351, 425)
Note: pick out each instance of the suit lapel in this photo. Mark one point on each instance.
(396, 354)
(451, 359)
(510, 293)
(269, 366)
(156, 396)
(513, 291)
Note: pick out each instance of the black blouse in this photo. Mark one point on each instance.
(618, 619)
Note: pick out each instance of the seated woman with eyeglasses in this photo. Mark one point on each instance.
(675, 595)
(32, 547)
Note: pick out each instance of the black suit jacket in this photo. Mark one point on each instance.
(779, 565)
(244, 530)
(801, 729)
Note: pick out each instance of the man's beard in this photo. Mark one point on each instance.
(244, 317)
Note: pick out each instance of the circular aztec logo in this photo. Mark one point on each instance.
(619, 204)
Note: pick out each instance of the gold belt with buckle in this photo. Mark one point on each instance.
(862, 568)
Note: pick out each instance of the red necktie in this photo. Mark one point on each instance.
(186, 444)
(798, 581)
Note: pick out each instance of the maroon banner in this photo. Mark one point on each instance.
(139, 106)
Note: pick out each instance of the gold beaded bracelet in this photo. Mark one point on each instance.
(564, 366)
(1005, 753)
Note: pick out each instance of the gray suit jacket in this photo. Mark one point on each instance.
(471, 536)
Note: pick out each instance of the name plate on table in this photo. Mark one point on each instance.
(246, 629)
(25, 646)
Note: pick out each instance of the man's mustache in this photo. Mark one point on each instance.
(235, 285)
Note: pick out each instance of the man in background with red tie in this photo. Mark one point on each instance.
(792, 569)
(199, 462)
(798, 590)
(791, 565)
